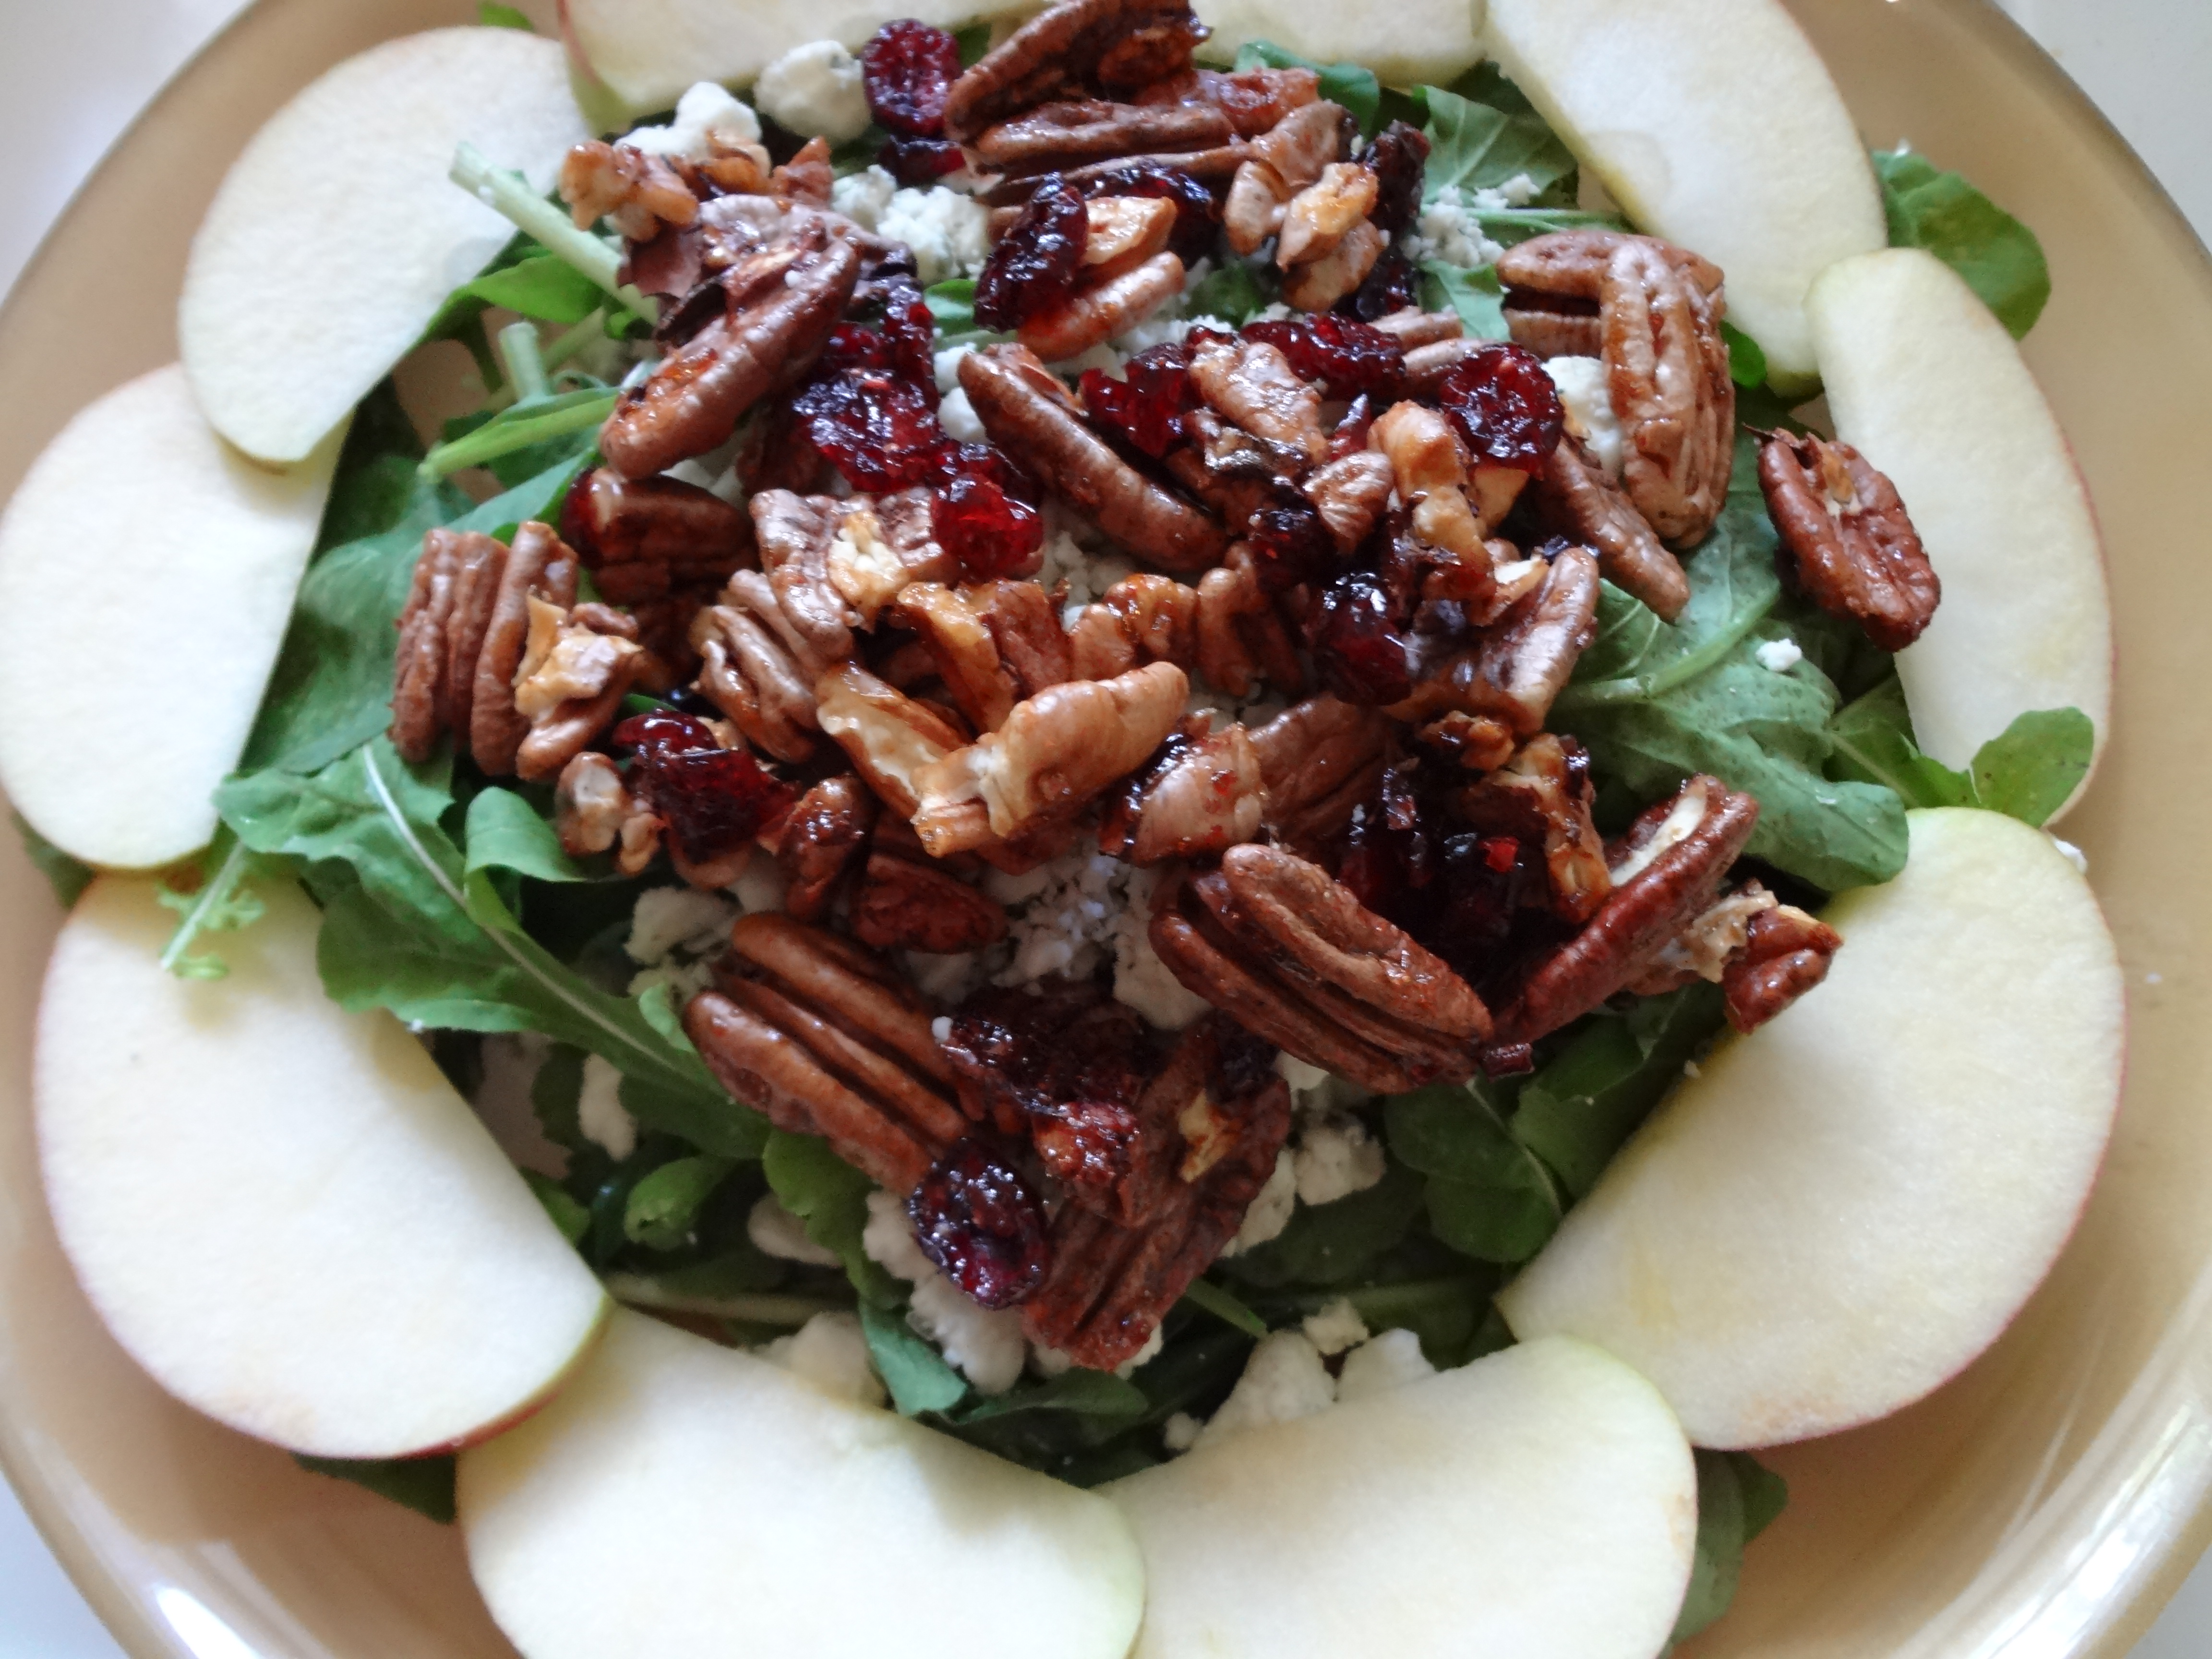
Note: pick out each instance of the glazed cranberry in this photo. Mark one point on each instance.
(1198, 216)
(713, 800)
(880, 430)
(1392, 285)
(919, 163)
(974, 1217)
(1291, 541)
(1356, 645)
(1505, 406)
(990, 531)
(1389, 855)
(1486, 880)
(1398, 157)
(907, 68)
(1146, 407)
(1348, 358)
(1032, 271)
(909, 332)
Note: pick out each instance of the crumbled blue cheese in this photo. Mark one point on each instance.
(1779, 656)
(1335, 1159)
(1271, 1208)
(776, 1232)
(1283, 1380)
(760, 887)
(1450, 227)
(706, 115)
(1391, 1361)
(2079, 860)
(1586, 396)
(599, 1111)
(862, 197)
(1140, 979)
(1337, 1327)
(669, 921)
(949, 233)
(815, 91)
(985, 1345)
(1180, 1431)
(946, 979)
(1302, 1078)
(830, 1350)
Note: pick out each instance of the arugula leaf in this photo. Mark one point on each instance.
(973, 41)
(424, 1485)
(1999, 257)
(375, 487)
(539, 429)
(1205, 1294)
(663, 1210)
(1334, 1243)
(1577, 1111)
(492, 16)
(540, 286)
(1737, 1500)
(1234, 294)
(831, 1198)
(953, 303)
(1475, 146)
(1090, 1394)
(1746, 359)
(1655, 703)
(916, 1374)
(2028, 772)
(1477, 296)
(1348, 84)
(65, 875)
(1488, 1195)
(222, 904)
(505, 833)
(573, 1219)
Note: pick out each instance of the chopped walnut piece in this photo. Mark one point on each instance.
(826, 1040)
(1241, 637)
(1291, 954)
(1543, 795)
(1112, 307)
(1251, 383)
(1318, 218)
(642, 540)
(806, 178)
(1431, 475)
(1112, 46)
(825, 835)
(594, 811)
(577, 667)
(1853, 543)
(1039, 429)
(1072, 131)
(1319, 284)
(949, 622)
(1512, 673)
(1285, 160)
(640, 193)
(1350, 492)
(1055, 752)
(1125, 232)
(1665, 872)
(1575, 498)
(1785, 954)
(1318, 761)
(1198, 796)
(889, 736)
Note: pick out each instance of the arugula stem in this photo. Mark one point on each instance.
(639, 1291)
(212, 909)
(508, 193)
(574, 340)
(526, 368)
(512, 432)
(1225, 1307)
(1641, 688)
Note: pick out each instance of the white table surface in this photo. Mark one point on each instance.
(73, 74)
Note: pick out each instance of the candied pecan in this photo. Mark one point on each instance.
(1318, 760)
(1125, 232)
(640, 193)
(1111, 1282)
(825, 835)
(1095, 315)
(577, 667)
(1142, 619)
(1069, 133)
(1285, 160)
(1318, 218)
(807, 177)
(1055, 753)
(1543, 795)
(1241, 636)
(949, 622)
(1576, 499)
(1115, 45)
(1512, 673)
(781, 305)
(1251, 383)
(1351, 491)
(909, 904)
(826, 1040)
(1026, 629)
(882, 547)
(1431, 471)
(1414, 328)
(1200, 797)
(1785, 953)
(889, 736)
(643, 539)
(1020, 1056)
(1671, 383)
(1853, 543)
(755, 669)
(1254, 100)
(1665, 872)
(1319, 284)
(798, 535)
(1572, 266)
(1039, 430)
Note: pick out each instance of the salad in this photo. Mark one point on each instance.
(1078, 732)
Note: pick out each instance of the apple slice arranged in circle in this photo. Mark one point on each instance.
(337, 233)
(1714, 124)
(1925, 382)
(282, 1210)
(1541, 1501)
(142, 543)
(681, 1498)
(1844, 1209)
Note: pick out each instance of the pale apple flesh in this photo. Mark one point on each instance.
(1715, 125)
(1538, 1501)
(1844, 1209)
(682, 1498)
(308, 280)
(282, 1210)
(1407, 44)
(1925, 382)
(141, 543)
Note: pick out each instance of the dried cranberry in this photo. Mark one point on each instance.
(715, 800)
(1487, 879)
(1086, 1142)
(919, 163)
(881, 431)
(784, 457)
(1505, 407)
(989, 461)
(1345, 356)
(991, 531)
(1291, 541)
(1244, 1064)
(909, 332)
(1362, 655)
(907, 68)
(1389, 855)
(1398, 157)
(853, 346)
(1198, 216)
(1146, 407)
(1351, 434)
(974, 1217)
(1392, 285)
(1032, 271)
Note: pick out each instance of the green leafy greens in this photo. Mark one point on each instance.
(65, 875)
(1738, 1498)
(2028, 772)
(1999, 257)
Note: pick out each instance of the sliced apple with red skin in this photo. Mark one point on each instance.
(1842, 1209)
(282, 1210)
(681, 1498)
(142, 543)
(1925, 382)
(1714, 124)
(337, 233)
(1538, 1501)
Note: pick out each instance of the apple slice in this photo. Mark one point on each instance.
(282, 1210)
(337, 233)
(1540, 1501)
(151, 553)
(680, 1498)
(1925, 382)
(1714, 124)
(1406, 43)
(648, 53)
(1844, 1209)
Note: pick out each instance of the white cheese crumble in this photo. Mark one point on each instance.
(862, 197)
(1586, 396)
(1779, 656)
(1391, 1361)
(1336, 1158)
(599, 1112)
(1283, 1380)
(776, 1232)
(1141, 980)
(941, 1028)
(1088, 575)
(948, 978)
(761, 887)
(1301, 1077)
(1450, 227)
(830, 1350)
(1271, 1208)
(669, 919)
(1180, 1431)
(1337, 1327)
(815, 91)
(705, 113)
(2079, 860)
(959, 419)
(985, 1345)
(1067, 909)
(949, 233)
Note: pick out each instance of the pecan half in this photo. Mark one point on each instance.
(1115, 45)
(909, 904)
(1285, 160)
(1855, 548)
(1785, 954)
(1318, 218)
(1512, 674)
(1199, 795)
(825, 835)
(881, 546)
(826, 1039)
(1665, 872)
(1319, 284)
(1074, 131)
(1251, 383)
(1350, 492)
(1041, 431)
(1254, 100)
(642, 540)
(1241, 637)
(950, 624)
(890, 736)
(1103, 312)
(1319, 760)
(1032, 644)
(1577, 499)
